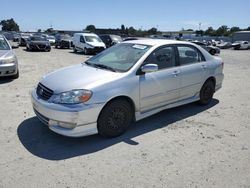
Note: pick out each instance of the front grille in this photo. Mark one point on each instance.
(98, 49)
(43, 92)
(41, 46)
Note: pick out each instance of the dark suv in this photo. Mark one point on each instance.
(63, 41)
(110, 40)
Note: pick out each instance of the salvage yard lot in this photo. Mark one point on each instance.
(187, 146)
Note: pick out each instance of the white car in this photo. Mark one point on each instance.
(89, 43)
(129, 81)
(241, 45)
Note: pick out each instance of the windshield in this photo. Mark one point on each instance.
(37, 39)
(3, 44)
(92, 39)
(120, 57)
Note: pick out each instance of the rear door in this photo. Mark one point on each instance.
(193, 68)
(161, 87)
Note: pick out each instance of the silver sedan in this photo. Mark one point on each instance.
(127, 82)
(8, 59)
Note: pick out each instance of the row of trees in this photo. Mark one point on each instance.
(221, 31)
(129, 30)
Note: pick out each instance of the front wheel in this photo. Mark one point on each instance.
(85, 51)
(16, 75)
(114, 118)
(207, 92)
(212, 52)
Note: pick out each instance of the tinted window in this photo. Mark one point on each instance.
(163, 57)
(188, 55)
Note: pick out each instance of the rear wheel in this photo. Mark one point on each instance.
(115, 118)
(75, 50)
(207, 92)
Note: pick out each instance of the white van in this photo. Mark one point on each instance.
(88, 43)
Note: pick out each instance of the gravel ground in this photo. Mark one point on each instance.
(188, 146)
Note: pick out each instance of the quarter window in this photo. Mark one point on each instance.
(163, 57)
(188, 55)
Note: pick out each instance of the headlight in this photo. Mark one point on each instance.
(72, 97)
(7, 60)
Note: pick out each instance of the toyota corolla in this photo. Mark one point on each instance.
(127, 82)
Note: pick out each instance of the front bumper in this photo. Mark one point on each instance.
(95, 49)
(9, 69)
(40, 48)
(68, 120)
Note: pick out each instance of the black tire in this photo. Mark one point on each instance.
(213, 52)
(75, 50)
(85, 51)
(207, 92)
(16, 75)
(115, 118)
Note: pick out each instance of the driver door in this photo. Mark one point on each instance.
(160, 88)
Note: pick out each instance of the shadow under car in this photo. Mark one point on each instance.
(39, 140)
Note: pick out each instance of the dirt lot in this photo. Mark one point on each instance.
(189, 146)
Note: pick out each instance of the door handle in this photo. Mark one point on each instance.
(203, 66)
(176, 73)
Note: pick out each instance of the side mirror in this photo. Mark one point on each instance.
(149, 68)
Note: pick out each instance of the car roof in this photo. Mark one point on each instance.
(86, 34)
(156, 42)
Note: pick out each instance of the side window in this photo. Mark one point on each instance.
(163, 57)
(188, 55)
(82, 39)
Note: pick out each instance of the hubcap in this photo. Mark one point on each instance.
(117, 117)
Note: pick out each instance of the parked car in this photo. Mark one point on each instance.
(37, 43)
(224, 45)
(12, 38)
(51, 39)
(129, 81)
(134, 38)
(110, 40)
(8, 60)
(63, 41)
(241, 45)
(23, 39)
(211, 49)
(88, 43)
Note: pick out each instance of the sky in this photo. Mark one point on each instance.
(165, 15)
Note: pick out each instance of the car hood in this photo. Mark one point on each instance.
(79, 76)
(5, 53)
(39, 42)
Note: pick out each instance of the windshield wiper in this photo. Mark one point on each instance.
(100, 66)
(104, 67)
